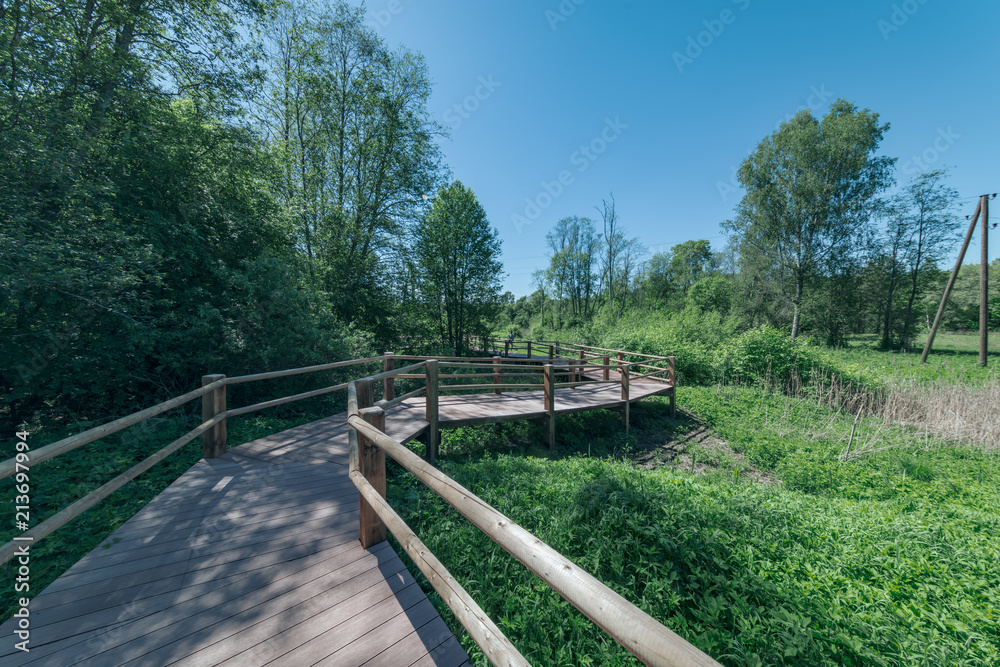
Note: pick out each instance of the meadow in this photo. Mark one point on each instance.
(768, 524)
(767, 527)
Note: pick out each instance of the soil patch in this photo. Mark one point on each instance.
(691, 446)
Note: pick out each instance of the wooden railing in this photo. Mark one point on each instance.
(573, 359)
(564, 367)
(635, 630)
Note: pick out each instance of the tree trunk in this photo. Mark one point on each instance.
(797, 303)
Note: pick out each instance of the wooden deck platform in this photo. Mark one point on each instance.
(249, 559)
(253, 559)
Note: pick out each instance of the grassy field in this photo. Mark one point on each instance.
(767, 529)
(787, 533)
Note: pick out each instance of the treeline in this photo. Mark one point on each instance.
(207, 186)
(816, 246)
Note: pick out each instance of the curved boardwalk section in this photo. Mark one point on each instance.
(253, 558)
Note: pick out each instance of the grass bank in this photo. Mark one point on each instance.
(888, 558)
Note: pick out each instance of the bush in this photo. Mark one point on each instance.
(765, 356)
(690, 335)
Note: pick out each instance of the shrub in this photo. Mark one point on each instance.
(765, 356)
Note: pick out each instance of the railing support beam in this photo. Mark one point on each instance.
(431, 410)
(389, 384)
(549, 397)
(672, 376)
(371, 464)
(625, 407)
(497, 376)
(213, 441)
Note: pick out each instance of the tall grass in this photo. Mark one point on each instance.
(962, 412)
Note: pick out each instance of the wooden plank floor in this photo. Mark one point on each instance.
(249, 559)
(253, 559)
(455, 411)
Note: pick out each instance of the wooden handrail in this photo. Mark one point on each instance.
(70, 512)
(298, 371)
(385, 405)
(633, 628)
(8, 467)
(495, 387)
(281, 401)
(497, 647)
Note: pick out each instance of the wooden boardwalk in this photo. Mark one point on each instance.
(253, 558)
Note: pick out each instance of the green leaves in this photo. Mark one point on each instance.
(458, 255)
(811, 188)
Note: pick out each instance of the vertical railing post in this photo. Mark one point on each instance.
(371, 462)
(607, 367)
(551, 350)
(624, 372)
(389, 384)
(672, 376)
(431, 410)
(583, 362)
(497, 375)
(506, 347)
(529, 349)
(213, 441)
(550, 406)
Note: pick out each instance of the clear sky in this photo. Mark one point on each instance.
(551, 106)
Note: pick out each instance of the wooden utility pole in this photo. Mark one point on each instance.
(984, 284)
(951, 281)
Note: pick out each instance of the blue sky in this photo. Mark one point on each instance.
(551, 106)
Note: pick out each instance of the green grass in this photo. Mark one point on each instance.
(889, 559)
(954, 358)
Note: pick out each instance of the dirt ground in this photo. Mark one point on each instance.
(686, 444)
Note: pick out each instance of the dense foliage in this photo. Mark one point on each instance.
(883, 560)
(202, 187)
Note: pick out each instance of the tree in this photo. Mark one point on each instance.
(712, 293)
(924, 218)
(459, 257)
(347, 120)
(619, 261)
(671, 274)
(811, 188)
(573, 242)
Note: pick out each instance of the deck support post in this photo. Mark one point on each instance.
(431, 410)
(497, 375)
(371, 462)
(389, 384)
(624, 371)
(607, 367)
(672, 376)
(213, 441)
(549, 398)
